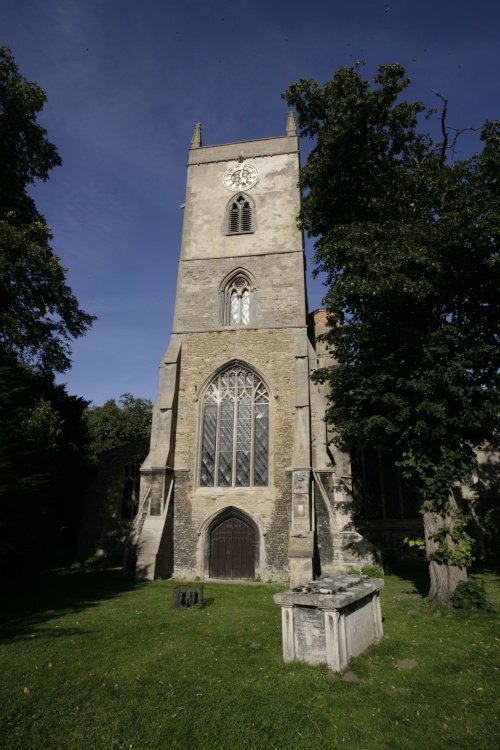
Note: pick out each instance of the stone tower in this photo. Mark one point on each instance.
(238, 455)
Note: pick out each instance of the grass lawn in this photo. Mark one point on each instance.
(90, 662)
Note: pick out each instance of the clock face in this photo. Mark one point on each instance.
(242, 176)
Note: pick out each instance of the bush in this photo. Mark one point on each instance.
(471, 595)
(373, 571)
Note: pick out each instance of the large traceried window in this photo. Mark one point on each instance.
(239, 215)
(235, 430)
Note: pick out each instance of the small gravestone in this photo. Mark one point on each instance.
(187, 595)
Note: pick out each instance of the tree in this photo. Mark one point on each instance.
(44, 467)
(39, 314)
(43, 459)
(408, 238)
(115, 424)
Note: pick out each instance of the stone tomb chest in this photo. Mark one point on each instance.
(331, 620)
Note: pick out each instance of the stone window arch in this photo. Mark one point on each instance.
(235, 430)
(240, 215)
(238, 299)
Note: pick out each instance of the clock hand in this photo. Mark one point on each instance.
(243, 180)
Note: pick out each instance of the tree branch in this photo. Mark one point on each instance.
(445, 145)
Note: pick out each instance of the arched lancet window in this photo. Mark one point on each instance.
(235, 430)
(238, 301)
(239, 215)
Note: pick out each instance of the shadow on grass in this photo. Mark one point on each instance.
(33, 632)
(416, 573)
(28, 604)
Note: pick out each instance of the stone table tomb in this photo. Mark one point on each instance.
(331, 620)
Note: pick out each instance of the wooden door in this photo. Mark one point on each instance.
(232, 550)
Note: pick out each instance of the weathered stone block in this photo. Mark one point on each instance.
(332, 620)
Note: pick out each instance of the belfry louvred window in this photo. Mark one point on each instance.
(235, 430)
(239, 215)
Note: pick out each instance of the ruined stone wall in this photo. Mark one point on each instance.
(102, 528)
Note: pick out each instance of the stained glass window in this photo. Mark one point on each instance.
(235, 430)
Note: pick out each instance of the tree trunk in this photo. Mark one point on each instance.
(444, 576)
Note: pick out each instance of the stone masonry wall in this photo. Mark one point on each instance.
(270, 353)
(273, 343)
(276, 301)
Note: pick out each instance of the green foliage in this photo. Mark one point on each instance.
(43, 457)
(490, 532)
(43, 465)
(471, 594)
(408, 239)
(416, 542)
(453, 544)
(115, 424)
(373, 571)
(42, 424)
(409, 244)
(25, 153)
(39, 314)
(459, 552)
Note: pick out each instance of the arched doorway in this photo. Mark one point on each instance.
(233, 545)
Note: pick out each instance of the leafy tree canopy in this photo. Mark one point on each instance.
(44, 466)
(408, 237)
(39, 314)
(115, 424)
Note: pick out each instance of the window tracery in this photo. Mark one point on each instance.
(239, 215)
(237, 301)
(235, 430)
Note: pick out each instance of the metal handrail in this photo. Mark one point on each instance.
(166, 503)
(140, 516)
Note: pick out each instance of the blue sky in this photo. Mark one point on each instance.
(127, 79)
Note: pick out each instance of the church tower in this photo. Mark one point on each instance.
(227, 490)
